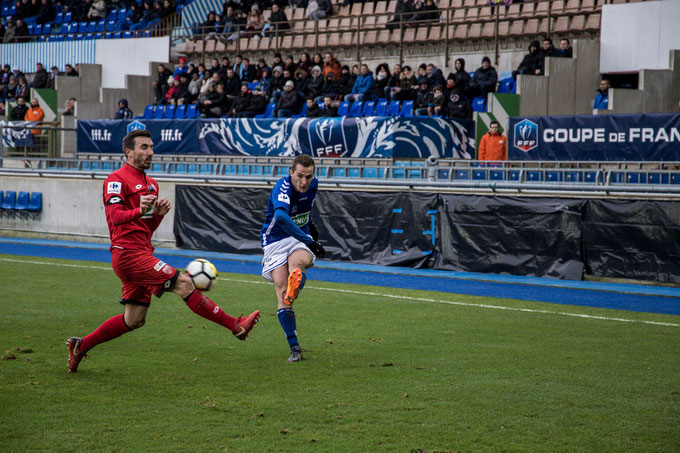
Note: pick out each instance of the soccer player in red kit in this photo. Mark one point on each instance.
(133, 212)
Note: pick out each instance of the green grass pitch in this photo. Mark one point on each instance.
(386, 370)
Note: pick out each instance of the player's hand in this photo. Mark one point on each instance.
(162, 207)
(146, 202)
(317, 249)
(313, 231)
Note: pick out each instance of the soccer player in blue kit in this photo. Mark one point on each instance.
(290, 243)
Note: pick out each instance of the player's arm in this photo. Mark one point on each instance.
(283, 220)
(116, 212)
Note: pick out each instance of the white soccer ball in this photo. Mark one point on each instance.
(203, 273)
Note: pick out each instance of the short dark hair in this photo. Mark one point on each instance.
(303, 160)
(494, 122)
(129, 139)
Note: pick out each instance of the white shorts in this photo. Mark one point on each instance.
(276, 255)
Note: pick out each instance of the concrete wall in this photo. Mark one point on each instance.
(73, 208)
(90, 82)
(139, 92)
(561, 75)
(656, 85)
(624, 101)
(533, 91)
(67, 88)
(587, 77)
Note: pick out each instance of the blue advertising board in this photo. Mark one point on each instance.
(321, 137)
(653, 137)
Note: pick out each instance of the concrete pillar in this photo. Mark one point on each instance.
(625, 101)
(67, 88)
(587, 56)
(139, 92)
(110, 98)
(88, 110)
(561, 75)
(90, 82)
(533, 91)
(656, 85)
(67, 143)
(675, 80)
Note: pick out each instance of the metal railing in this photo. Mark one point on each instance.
(45, 140)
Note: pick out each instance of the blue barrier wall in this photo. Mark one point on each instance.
(322, 137)
(26, 55)
(596, 138)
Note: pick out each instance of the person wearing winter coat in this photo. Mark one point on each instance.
(462, 76)
(361, 91)
(289, 102)
(493, 145)
(315, 83)
(256, 106)
(484, 79)
(457, 107)
(40, 78)
(424, 99)
(123, 112)
(531, 62)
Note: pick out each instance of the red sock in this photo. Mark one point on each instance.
(206, 308)
(112, 328)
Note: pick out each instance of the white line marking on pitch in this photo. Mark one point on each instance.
(392, 296)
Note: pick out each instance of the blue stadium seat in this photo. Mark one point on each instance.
(5, 11)
(22, 201)
(406, 109)
(479, 104)
(480, 175)
(269, 112)
(381, 108)
(117, 35)
(192, 111)
(127, 34)
(148, 112)
(367, 110)
(159, 112)
(505, 86)
(393, 108)
(169, 112)
(110, 25)
(534, 176)
(68, 17)
(47, 29)
(9, 200)
(99, 26)
(113, 14)
(355, 110)
(180, 112)
(122, 13)
(98, 35)
(31, 31)
(38, 29)
(572, 176)
(82, 27)
(343, 109)
(59, 18)
(497, 175)
(68, 38)
(91, 26)
(79, 37)
(553, 176)
(303, 111)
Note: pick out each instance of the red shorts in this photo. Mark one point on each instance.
(142, 275)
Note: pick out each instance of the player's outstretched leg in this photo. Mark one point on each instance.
(245, 325)
(110, 329)
(74, 353)
(296, 280)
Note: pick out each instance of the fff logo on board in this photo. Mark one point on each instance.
(135, 125)
(526, 135)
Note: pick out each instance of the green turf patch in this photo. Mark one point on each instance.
(385, 370)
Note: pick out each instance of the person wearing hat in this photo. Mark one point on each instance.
(301, 80)
(277, 83)
(289, 102)
(123, 112)
(290, 65)
(182, 68)
(462, 76)
(10, 29)
(315, 83)
(5, 74)
(10, 90)
(173, 90)
(424, 98)
(277, 60)
(265, 80)
(16, 72)
(484, 79)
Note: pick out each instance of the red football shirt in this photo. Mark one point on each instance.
(122, 191)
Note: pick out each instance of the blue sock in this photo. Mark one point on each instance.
(287, 319)
(302, 283)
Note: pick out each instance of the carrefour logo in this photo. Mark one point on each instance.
(135, 125)
(526, 135)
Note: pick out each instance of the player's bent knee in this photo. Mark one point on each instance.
(183, 287)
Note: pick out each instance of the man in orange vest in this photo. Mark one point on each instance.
(35, 113)
(493, 145)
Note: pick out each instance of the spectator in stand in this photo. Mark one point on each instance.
(52, 80)
(330, 66)
(40, 78)
(70, 71)
(69, 107)
(261, 67)
(173, 90)
(530, 63)
(484, 79)
(392, 82)
(289, 102)
(22, 87)
(5, 74)
(403, 91)
(438, 102)
(182, 68)
(46, 13)
(97, 11)
(229, 20)
(194, 88)
(565, 50)
(207, 27)
(232, 85)
(313, 109)
(422, 76)
(21, 32)
(277, 61)
(328, 110)
(17, 72)
(317, 60)
(2, 31)
(23, 8)
(493, 145)
(247, 71)
(215, 66)
(123, 112)
(345, 83)
(424, 99)
(168, 8)
(255, 22)
(418, 13)
(226, 64)
(331, 88)
(314, 88)
(382, 76)
(318, 9)
(462, 76)
(301, 80)
(457, 107)
(548, 50)
(10, 32)
(238, 62)
(402, 13)
(256, 106)
(277, 83)
(183, 94)
(277, 22)
(290, 65)
(305, 63)
(18, 112)
(10, 90)
(602, 98)
(160, 85)
(3, 112)
(135, 17)
(265, 81)
(430, 12)
(362, 89)
(435, 75)
(242, 101)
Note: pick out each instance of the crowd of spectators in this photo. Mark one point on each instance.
(14, 84)
(45, 11)
(241, 89)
